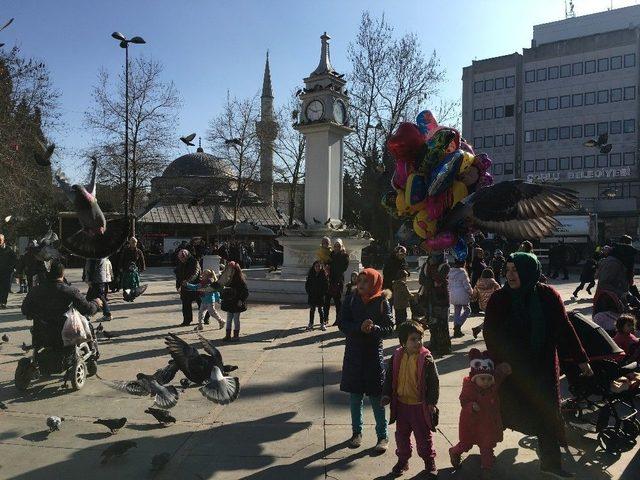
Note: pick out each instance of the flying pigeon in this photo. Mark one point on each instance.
(188, 139)
(5, 338)
(113, 424)
(203, 369)
(162, 416)
(511, 208)
(47, 247)
(600, 143)
(159, 461)
(117, 450)
(316, 221)
(233, 141)
(97, 238)
(43, 153)
(164, 396)
(7, 24)
(54, 423)
(129, 295)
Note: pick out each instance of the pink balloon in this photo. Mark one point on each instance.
(441, 241)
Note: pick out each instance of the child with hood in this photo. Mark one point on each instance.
(316, 286)
(234, 299)
(209, 290)
(323, 253)
(365, 320)
(459, 296)
(482, 293)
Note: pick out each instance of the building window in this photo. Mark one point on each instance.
(508, 139)
(499, 113)
(590, 98)
(530, 76)
(510, 81)
(488, 85)
(590, 66)
(629, 93)
(615, 159)
(508, 168)
(629, 126)
(576, 68)
(541, 135)
(616, 62)
(499, 83)
(529, 106)
(541, 74)
(528, 166)
(565, 71)
(564, 163)
(488, 113)
(498, 141)
(603, 96)
(576, 131)
(529, 136)
(477, 114)
(589, 161)
(477, 142)
(629, 159)
(554, 72)
(552, 133)
(576, 99)
(603, 160)
(508, 110)
(603, 65)
(564, 133)
(615, 127)
(576, 162)
(497, 169)
(541, 104)
(488, 142)
(552, 103)
(603, 127)
(590, 130)
(565, 101)
(616, 95)
(552, 164)
(630, 60)
(477, 86)
(541, 164)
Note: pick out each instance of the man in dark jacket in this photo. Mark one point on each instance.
(187, 271)
(7, 265)
(394, 264)
(132, 254)
(48, 302)
(338, 264)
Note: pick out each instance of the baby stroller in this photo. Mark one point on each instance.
(51, 357)
(596, 405)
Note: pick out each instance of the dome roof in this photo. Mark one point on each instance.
(198, 164)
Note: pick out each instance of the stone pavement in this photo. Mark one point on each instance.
(290, 422)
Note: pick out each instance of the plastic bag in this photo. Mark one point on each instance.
(76, 328)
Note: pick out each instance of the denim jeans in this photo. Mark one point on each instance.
(233, 317)
(357, 403)
(460, 314)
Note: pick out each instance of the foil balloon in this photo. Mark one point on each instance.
(426, 122)
(443, 175)
(415, 189)
(435, 150)
(405, 143)
(441, 241)
(460, 250)
(401, 205)
(458, 192)
(424, 227)
(388, 202)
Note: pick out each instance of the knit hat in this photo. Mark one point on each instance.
(480, 363)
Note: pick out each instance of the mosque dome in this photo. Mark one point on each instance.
(198, 164)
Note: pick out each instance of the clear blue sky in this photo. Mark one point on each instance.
(210, 46)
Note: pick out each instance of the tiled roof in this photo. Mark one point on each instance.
(204, 215)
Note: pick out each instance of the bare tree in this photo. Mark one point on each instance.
(153, 113)
(289, 149)
(233, 138)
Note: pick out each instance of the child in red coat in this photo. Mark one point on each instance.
(480, 420)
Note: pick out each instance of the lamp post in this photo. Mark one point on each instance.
(124, 43)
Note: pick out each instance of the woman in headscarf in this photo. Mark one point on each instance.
(365, 319)
(527, 326)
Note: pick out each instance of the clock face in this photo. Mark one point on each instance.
(339, 111)
(315, 110)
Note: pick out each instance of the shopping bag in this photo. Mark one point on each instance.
(76, 328)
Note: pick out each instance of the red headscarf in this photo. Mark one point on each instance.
(375, 280)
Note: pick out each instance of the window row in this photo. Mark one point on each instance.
(578, 162)
(494, 141)
(590, 130)
(492, 84)
(621, 190)
(502, 168)
(580, 99)
(580, 68)
(489, 113)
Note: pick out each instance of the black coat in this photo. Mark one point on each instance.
(317, 286)
(588, 273)
(363, 364)
(339, 262)
(391, 270)
(8, 261)
(233, 298)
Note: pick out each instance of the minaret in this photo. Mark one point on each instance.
(267, 129)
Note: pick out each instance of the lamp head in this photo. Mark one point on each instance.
(138, 40)
(119, 36)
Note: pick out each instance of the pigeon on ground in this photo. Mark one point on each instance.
(54, 423)
(162, 416)
(25, 348)
(203, 369)
(2, 406)
(113, 424)
(129, 295)
(188, 139)
(97, 238)
(164, 396)
(159, 461)
(43, 153)
(5, 338)
(117, 450)
(108, 335)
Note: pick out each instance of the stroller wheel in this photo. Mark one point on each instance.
(24, 374)
(630, 427)
(78, 374)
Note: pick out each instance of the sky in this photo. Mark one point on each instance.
(209, 47)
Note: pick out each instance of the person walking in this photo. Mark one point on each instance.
(497, 265)
(8, 262)
(558, 261)
(459, 296)
(338, 263)
(527, 327)
(435, 298)
(316, 286)
(401, 298)
(365, 320)
(234, 299)
(588, 275)
(393, 265)
(98, 274)
(187, 271)
(482, 293)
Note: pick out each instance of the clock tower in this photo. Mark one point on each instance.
(324, 120)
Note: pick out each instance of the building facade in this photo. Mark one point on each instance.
(533, 112)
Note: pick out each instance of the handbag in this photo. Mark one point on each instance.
(76, 328)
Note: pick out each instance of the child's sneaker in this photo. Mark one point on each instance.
(455, 458)
(399, 468)
(221, 324)
(382, 445)
(198, 328)
(356, 440)
(323, 327)
(309, 327)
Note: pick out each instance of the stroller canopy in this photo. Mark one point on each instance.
(596, 342)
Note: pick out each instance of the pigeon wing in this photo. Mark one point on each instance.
(63, 183)
(131, 387)
(183, 353)
(211, 350)
(86, 245)
(220, 389)
(165, 396)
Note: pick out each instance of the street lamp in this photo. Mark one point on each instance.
(124, 43)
